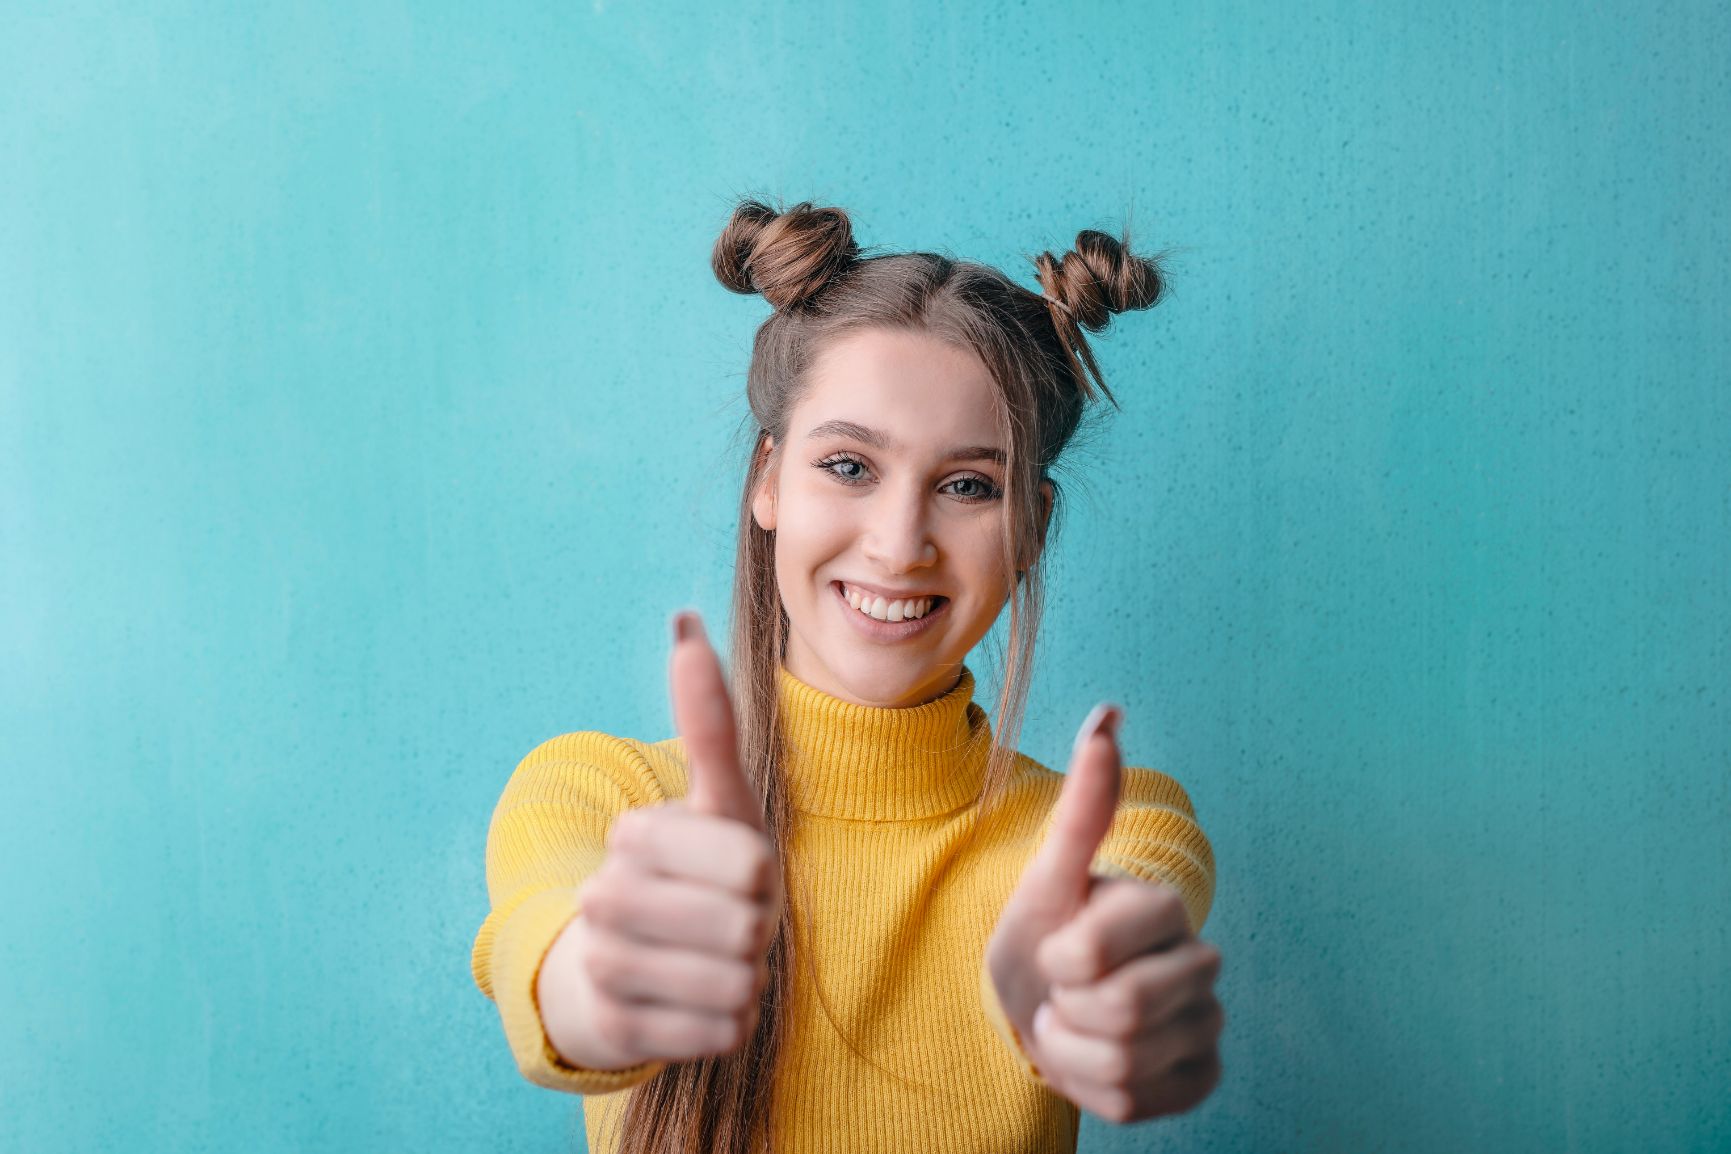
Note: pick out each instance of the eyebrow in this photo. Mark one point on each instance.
(877, 440)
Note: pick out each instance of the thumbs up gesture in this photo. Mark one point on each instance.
(1110, 991)
(668, 958)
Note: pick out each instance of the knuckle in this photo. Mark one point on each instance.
(1114, 1068)
(599, 904)
(625, 829)
(1122, 1008)
(1209, 959)
(741, 985)
(763, 867)
(1115, 1106)
(616, 1025)
(752, 926)
(605, 964)
(747, 855)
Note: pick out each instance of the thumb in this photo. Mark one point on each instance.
(1082, 815)
(703, 715)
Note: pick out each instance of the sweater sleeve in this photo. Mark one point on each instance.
(1154, 837)
(548, 834)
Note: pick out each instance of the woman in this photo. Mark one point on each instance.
(838, 911)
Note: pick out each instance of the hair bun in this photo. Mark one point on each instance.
(1100, 276)
(787, 256)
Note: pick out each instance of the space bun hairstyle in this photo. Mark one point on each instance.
(787, 256)
(822, 285)
(1086, 286)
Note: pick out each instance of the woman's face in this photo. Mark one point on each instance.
(889, 484)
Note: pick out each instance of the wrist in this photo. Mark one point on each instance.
(565, 999)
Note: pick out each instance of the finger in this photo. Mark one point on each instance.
(1142, 995)
(673, 840)
(1195, 1029)
(664, 1032)
(681, 979)
(1123, 919)
(1186, 1084)
(703, 715)
(669, 912)
(1083, 812)
(1092, 1072)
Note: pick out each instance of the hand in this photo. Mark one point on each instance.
(668, 958)
(1102, 978)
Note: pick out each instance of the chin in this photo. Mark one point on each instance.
(885, 679)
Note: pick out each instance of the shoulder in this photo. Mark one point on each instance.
(1142, 785)
(644, 773)
(1154, 834)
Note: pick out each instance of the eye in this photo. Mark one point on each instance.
(851, 471)
(984, 489)
(831, 464)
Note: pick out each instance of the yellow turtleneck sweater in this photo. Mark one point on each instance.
(903, 910)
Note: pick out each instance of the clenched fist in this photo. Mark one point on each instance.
(1101, 976)
(667, 958)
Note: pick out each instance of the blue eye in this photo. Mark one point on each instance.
(828, 465)
(990, 491)
(986, 491)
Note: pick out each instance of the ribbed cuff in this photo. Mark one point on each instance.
(1005, 1028)
(1193, 891)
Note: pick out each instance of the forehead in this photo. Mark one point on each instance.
(926, 393)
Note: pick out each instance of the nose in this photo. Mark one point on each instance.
(898, 537)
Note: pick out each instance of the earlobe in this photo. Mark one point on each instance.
(763, 501)
(763, 506)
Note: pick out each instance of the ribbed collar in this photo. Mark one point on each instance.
(871, 763)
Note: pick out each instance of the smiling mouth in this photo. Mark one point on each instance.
(883, 627)
(890, 609)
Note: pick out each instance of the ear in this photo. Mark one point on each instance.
(763, 501)
(1046, 494)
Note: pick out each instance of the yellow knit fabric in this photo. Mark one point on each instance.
(896, 910)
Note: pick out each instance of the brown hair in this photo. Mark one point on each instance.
(805, 263)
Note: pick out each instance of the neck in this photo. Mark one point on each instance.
(898, 692)
(878, 763)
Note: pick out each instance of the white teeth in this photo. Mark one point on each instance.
(906, 609)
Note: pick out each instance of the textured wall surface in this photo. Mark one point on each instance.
(366, 407)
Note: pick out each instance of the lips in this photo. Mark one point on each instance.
(874, 630)
(889, 594)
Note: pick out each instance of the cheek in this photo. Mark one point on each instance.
(810, 530)
(978, 549)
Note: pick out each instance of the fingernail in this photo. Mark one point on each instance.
(685, 625)
(1105, 717)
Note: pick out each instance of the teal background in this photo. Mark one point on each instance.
(367, 403)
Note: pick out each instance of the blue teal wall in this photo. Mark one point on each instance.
(365, 409)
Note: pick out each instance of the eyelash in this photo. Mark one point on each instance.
(828, 464)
